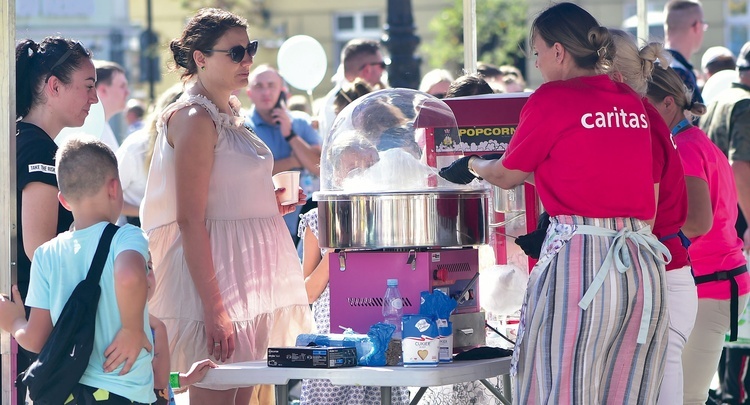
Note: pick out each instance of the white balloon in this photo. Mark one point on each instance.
(92, 126)
(717, 83)
(302, 62)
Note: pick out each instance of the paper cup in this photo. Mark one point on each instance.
(290, 181)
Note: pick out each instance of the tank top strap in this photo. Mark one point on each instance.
(188, 100)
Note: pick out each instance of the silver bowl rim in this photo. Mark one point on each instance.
(432, 193)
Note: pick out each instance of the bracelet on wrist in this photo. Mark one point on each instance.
(471, 168)
(174, 380)
(290, 136)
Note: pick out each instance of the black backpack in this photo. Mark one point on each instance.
(65, 355)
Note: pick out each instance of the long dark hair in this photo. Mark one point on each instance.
(37, 62)
(589, 43)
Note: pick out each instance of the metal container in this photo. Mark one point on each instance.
(508, 201)
(468, 330)
(402, 219)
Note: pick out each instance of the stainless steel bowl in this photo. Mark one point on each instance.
(444, 218)
(509, 201)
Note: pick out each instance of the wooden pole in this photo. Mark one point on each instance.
(7, 180)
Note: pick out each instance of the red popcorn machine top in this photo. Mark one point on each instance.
(485, 125)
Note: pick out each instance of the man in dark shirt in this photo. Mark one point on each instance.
(683, 29)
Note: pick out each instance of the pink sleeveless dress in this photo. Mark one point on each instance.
(256, 264)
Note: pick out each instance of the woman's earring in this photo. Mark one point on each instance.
(203, 68)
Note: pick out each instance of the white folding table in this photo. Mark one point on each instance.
(257, 372)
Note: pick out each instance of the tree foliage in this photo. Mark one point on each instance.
(501, 34)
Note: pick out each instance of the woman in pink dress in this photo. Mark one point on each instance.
(228, 280)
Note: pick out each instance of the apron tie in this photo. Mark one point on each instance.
(618, 256)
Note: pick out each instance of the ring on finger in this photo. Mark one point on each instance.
(217, 343)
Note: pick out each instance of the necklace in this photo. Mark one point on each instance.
(684, 123)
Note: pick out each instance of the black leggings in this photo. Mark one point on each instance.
(735, 381)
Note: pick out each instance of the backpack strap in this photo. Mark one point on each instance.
(102, 251)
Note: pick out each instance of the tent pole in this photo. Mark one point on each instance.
(470, 36)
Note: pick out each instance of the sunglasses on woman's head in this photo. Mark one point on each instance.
(237, 53)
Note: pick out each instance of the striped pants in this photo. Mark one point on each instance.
(614, 350)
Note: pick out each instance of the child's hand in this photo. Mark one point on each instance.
(125, 349)
(198, 371)
(11, 311)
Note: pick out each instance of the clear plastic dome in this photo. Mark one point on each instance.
(383, 142)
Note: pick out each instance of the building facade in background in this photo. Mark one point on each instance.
(331, 22)
(103, 26)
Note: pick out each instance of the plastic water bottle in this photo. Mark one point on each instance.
(393, 307)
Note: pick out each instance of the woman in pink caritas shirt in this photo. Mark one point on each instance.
(594, 323)
(719, 266)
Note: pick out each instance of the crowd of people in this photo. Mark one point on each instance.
(642, 278)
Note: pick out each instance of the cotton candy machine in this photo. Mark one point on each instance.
(385, 213)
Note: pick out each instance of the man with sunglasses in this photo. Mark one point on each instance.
(289, 135)
(360, 58)
(683, 31)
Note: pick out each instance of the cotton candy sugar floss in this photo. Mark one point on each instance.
(503, 288)
(502, 291)
(396, 169)
(440, 306)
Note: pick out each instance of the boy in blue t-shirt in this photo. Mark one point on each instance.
(119, 370)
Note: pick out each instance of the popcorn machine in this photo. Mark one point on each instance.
(485, 124)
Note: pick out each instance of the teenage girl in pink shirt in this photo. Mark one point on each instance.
(634, 66)
(718, 263)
